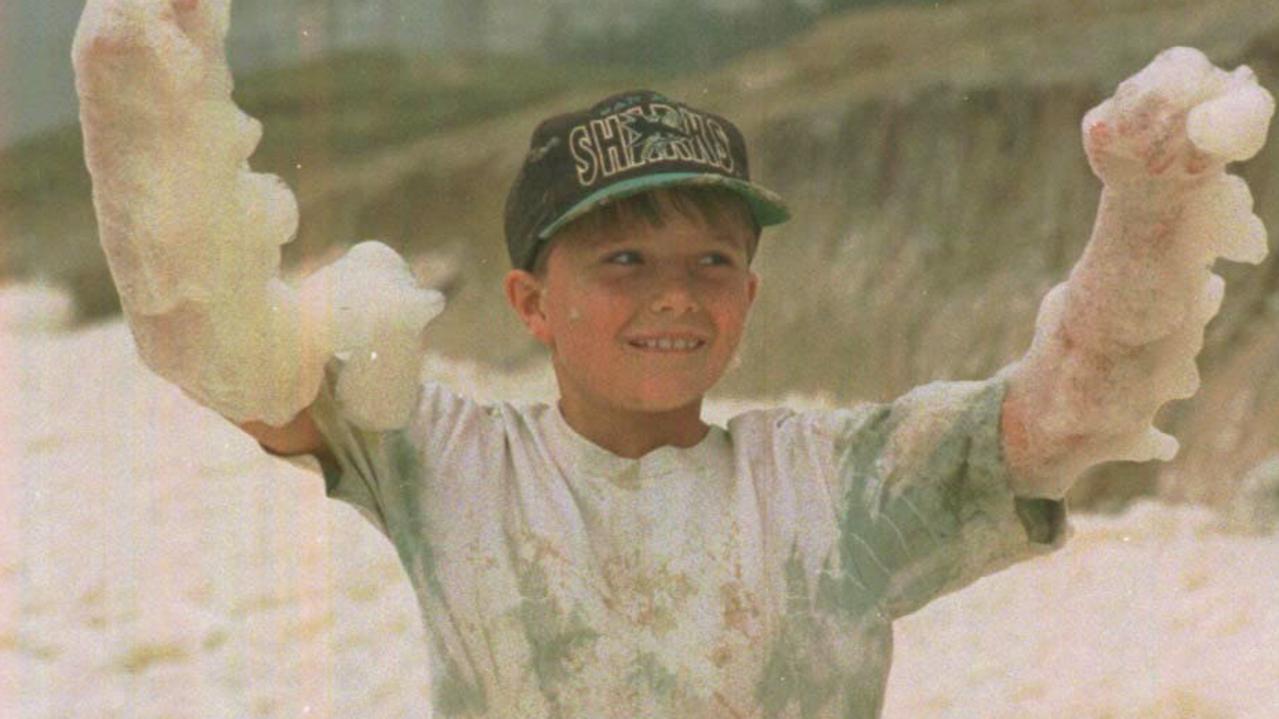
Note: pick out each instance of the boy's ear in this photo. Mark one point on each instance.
(524, 295)
(752, 289)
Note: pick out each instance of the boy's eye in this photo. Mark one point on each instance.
(625, 257)
(716, 259)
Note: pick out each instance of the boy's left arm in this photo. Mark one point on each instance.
(1118, 339)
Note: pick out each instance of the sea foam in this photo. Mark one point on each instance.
(1119, 338)
(192, 235)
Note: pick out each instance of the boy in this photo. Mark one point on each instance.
(615, 556)
(612, 555)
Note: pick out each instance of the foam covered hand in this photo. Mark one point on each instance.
(166, 148)
(1118, 339)
(1177, 122)
(193, 237)
(1169, 131)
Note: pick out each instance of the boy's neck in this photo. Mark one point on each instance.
(633, 434)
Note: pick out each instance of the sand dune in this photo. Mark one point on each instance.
(154, 563)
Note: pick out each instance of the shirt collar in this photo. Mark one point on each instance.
(585, 457)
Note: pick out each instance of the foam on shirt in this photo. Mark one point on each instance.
(193, 236)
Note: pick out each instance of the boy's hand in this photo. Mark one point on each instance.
(1176, 124)
(1118, 339)
(166, 147)
(162, 47)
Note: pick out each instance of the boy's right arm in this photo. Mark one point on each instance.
(299, 436)
(192, 235)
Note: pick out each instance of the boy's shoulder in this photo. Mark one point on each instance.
(800, 418)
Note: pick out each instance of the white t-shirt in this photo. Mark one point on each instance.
(755, 574)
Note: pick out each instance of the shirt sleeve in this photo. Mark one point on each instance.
(922, 496)
(357, 465)
(387, 475)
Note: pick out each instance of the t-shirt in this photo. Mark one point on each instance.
(755, 574)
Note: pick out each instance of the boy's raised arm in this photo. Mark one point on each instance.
(1118, 339)
(193, 236)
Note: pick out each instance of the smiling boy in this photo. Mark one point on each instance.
(631, 228)
(612, 554)
(643, 317)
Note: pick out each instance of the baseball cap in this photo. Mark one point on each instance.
(625, 144)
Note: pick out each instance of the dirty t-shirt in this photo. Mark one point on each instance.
(755, 574)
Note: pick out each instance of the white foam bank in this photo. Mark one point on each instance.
(154, 563)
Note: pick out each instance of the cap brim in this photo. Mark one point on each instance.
(767, 206)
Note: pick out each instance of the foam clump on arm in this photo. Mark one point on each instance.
(193, 236)
(1118, 339)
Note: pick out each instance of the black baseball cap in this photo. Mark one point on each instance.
(623, 145)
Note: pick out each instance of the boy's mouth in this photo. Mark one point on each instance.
(667, 344)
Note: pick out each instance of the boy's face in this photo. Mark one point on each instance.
(642, 317)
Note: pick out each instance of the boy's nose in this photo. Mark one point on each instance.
(674, 297)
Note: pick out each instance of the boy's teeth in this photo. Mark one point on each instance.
(666, 343)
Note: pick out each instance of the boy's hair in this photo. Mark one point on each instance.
(713, 205)
(626, 145)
